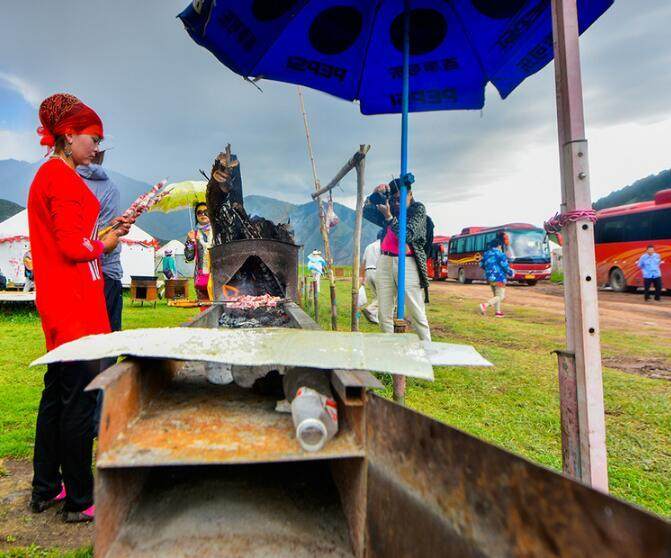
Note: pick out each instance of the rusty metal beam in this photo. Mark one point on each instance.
(351, 385)
(582, 309)
(434, 490)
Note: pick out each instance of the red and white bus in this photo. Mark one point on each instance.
(621, 235)
(527, 249)
(436, 261)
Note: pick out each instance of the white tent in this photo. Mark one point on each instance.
(14, 243)
(137, 254)
(184, 269)
(137, 250)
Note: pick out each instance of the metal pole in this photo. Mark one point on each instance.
(322, 220)
(582, 311)
(403, 211)
(358, 223)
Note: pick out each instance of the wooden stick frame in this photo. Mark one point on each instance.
(356, 162)
(320, 215)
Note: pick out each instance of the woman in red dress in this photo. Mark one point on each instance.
(63, 216)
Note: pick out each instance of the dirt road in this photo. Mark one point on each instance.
(623, 311)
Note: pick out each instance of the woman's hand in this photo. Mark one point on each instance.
(191, 235)
(385, 210)
(122, 225)
(110, 240)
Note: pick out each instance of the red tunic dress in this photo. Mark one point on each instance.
(63, 221)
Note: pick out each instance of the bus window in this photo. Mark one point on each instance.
(637, 227)
(469, 244)
(460, 245)
(489, 237)
(609, 230)
(528, 246)
(480, 243)
(661, 225)
(453, 246)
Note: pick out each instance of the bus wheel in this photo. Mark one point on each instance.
(461, 276)
(532, 282)
(617, 280)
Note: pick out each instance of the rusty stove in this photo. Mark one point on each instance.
(256, 267)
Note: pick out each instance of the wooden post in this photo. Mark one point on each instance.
(568, 402)
(322, 219)
(580, 288)
(400, 326)
(358, 223)
(315, 297)
(349, 165)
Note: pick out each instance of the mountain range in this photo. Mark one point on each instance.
(641, 190)
(16, 176)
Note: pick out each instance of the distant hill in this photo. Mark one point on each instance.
(641, 190)
(304, 220)
(16, 176)
(8, 209)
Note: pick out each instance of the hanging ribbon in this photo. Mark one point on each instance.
(560, 220)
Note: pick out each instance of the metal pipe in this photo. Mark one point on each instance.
(403, 211)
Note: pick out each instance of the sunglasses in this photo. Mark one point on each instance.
(202, 212)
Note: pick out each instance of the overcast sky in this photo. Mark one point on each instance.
(169, 107)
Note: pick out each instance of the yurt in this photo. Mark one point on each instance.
(184, 269)
(137, 250)
(14, 243)
(137, 254)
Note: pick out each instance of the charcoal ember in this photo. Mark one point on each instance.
(255, 277)
(253, 317)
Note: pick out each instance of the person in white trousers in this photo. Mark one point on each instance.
(382, 208)
(371, 255)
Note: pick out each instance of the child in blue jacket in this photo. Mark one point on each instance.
(497, 270)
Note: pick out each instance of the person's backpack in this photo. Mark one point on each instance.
(428, 243)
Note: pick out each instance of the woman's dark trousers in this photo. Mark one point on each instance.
(64, 434)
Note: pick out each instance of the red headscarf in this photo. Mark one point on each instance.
(62, 114)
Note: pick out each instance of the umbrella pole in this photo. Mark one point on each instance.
(403, 211)
(580, 374)
(400, 326)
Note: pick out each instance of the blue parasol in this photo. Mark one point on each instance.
(392, 56)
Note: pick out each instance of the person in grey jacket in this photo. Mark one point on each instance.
(110, 200)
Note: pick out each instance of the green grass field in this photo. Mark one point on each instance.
(21, 342)
(514, 405)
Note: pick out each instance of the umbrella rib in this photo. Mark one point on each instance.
(365, 56)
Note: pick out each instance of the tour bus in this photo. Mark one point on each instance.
(622, 234)
(526, 246)
(436, 261)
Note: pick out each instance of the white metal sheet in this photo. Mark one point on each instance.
(449, 354)
(375, 352)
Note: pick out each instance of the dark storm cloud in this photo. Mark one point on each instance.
(169, 106)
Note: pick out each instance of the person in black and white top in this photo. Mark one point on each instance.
(369, 265)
